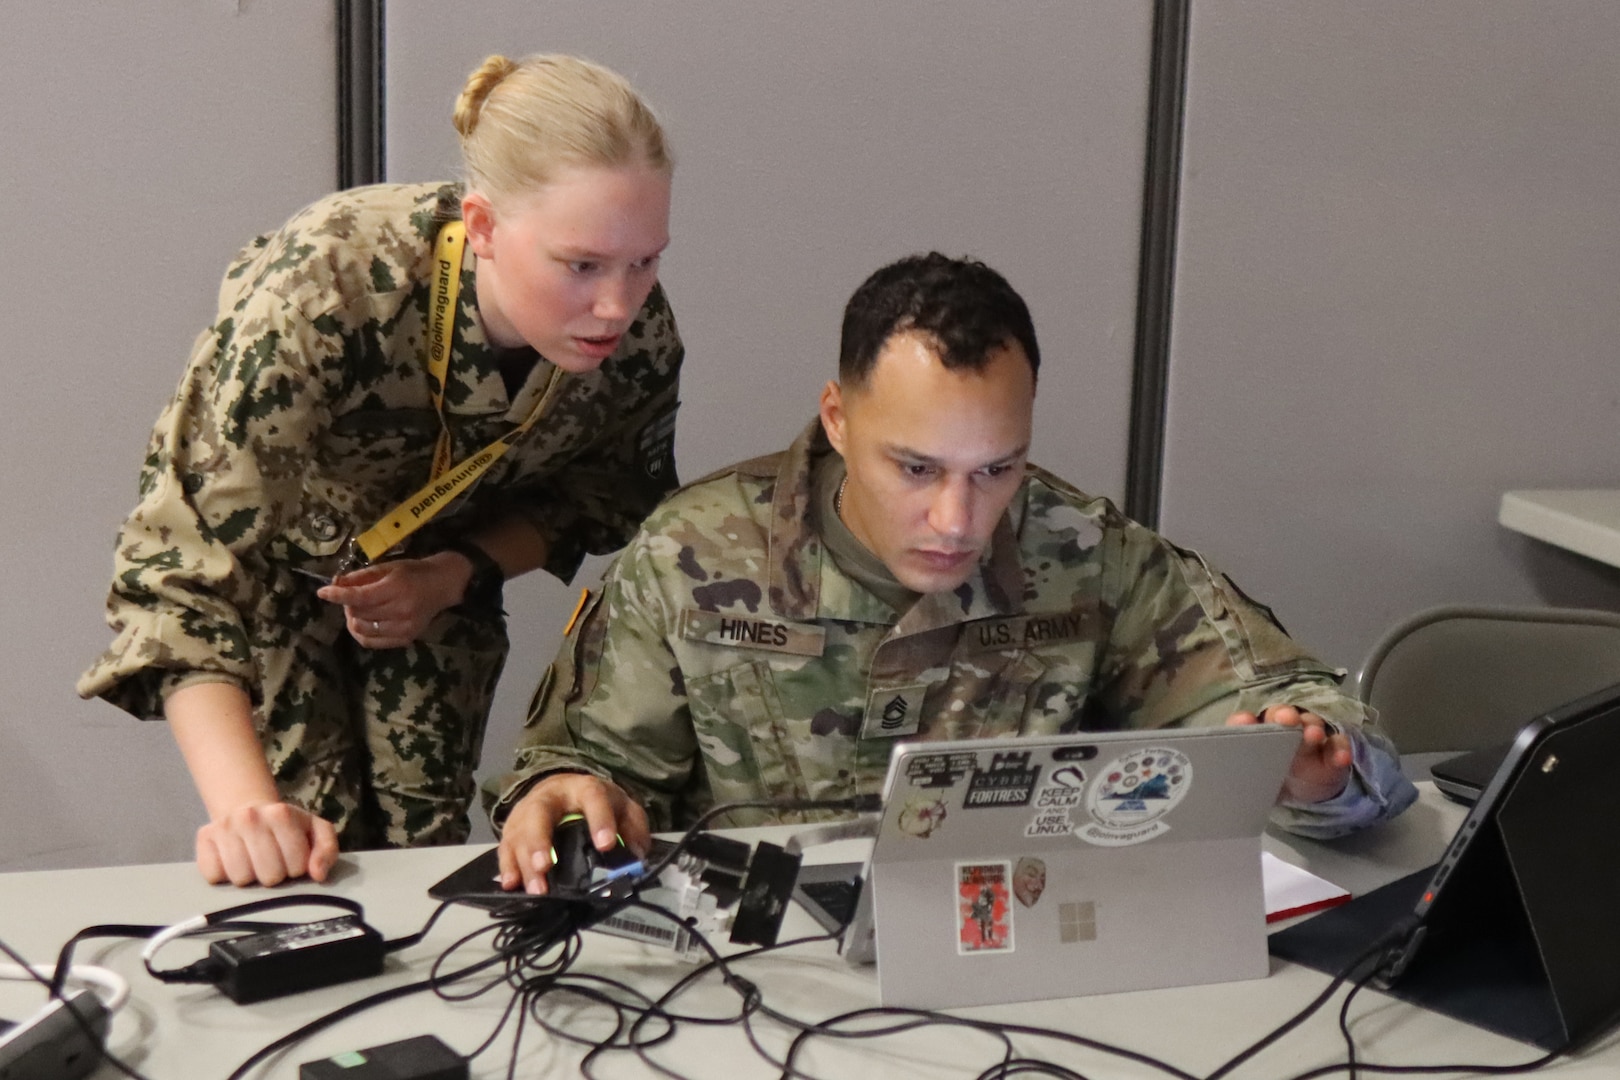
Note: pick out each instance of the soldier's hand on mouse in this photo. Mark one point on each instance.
(1321, 766)
(525, 851)
(389, 604)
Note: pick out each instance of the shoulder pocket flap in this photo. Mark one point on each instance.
(1256, 641)
(746, 632)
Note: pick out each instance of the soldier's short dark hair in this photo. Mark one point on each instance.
(967, 308)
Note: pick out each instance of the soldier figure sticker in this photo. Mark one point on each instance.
(984, 921)
(1129, 795)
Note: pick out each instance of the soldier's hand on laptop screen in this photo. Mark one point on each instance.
(525, 852)
(1321, 766)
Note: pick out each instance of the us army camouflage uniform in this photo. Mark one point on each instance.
(304, 415)
(729, 657)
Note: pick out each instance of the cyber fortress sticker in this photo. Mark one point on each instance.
(1009, 781)
(1130, 795)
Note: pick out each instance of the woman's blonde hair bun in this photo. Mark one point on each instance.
(522, 121)
(479, 84)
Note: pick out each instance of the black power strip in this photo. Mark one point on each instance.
(52, 1045)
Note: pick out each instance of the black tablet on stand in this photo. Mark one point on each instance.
(1518, 924)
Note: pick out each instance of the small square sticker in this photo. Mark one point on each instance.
(1077, 922)
(984, 918)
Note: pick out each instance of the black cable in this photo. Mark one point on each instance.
(640, 1023)
(763, 1008)
(1432, 1070)
(910, 1023)
(533, 979)
(753, 1001)
(581, 985)
(321, 1023)
(208, 970)
(396, 944)
(515, 911)
(640, 1040)
(1378, 950)
(521, 943)
(722, 964)
(1351, 1066)
(435, 980)
(857, 804)
(64, 958)
(532, 986)
(913, 1019)
(619, 1008)
(828, 1028)
(1344, 1023)
(506, 1016)
(1021, 1066)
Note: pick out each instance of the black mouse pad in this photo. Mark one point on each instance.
(481, 875)
(1480, 980)
(479, 879)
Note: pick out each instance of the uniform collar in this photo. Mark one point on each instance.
(474, 380)
(803, 582)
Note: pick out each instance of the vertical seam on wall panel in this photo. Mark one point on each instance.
(1161, 191)
(359, 92)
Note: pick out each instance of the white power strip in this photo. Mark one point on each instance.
(691, 909)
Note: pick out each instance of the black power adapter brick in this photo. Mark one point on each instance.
(304, 957)
(421, 1058)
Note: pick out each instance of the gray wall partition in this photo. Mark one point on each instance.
(144, 144)
(815, 143)
(1397, 249)
(1395, 297)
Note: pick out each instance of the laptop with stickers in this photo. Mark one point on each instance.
(1020, 868)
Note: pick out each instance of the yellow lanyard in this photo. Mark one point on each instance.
(447, 254)
(446, 482)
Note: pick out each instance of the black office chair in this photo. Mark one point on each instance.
(1460, 678)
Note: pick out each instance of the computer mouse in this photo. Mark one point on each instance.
(576, 865)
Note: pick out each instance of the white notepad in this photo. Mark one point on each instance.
(1292, 891)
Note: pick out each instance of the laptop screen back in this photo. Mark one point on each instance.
(1023, 868)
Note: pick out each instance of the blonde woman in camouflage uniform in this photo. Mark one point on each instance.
(901, 571)
(309, 424)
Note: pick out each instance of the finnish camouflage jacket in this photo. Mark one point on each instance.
(305, 414)
(728, 657)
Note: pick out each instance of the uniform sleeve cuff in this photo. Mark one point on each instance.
(179, 680)
(1376, 792)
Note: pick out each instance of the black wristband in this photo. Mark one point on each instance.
(484, 587)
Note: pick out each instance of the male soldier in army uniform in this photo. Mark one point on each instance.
(900, 571)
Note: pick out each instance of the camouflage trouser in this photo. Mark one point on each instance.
(381, 742)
